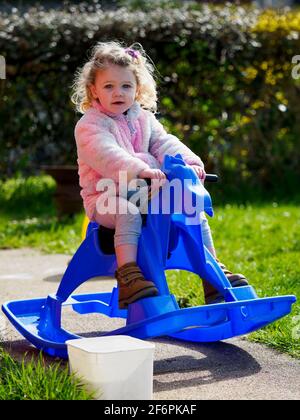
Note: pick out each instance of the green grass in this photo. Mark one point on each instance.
(261, 240)
(33, 380)
(48, 233)
(28, 217)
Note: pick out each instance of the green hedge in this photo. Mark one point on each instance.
(225, 84)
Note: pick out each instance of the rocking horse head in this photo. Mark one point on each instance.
(183, 189)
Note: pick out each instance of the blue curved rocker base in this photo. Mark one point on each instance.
(169, 240)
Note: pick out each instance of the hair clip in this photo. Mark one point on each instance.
(132, 52)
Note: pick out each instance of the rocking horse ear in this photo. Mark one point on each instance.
(166, 163)
(170, 161)
(179, 156)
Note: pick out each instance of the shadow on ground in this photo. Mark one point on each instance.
(207, 363)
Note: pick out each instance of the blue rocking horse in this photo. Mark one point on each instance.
(169, 240)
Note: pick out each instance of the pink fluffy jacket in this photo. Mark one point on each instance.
(108, 143)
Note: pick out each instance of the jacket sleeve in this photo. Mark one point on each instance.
(98, 148)
(162, 143)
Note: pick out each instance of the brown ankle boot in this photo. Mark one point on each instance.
(212, 295)
(133, 285)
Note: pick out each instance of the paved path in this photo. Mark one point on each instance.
(232, 369)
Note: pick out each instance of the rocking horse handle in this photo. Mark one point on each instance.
(148, 181)
(211, 178)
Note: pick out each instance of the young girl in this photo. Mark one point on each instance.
(116, 92)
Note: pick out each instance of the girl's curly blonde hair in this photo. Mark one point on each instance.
(106, 53)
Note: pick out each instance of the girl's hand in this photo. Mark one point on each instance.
(159, 180)
(152, 173)
(199, 171)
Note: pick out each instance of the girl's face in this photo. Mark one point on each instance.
(116, 88)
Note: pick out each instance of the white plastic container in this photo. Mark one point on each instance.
(116, 368)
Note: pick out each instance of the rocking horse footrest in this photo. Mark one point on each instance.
(104, 303)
